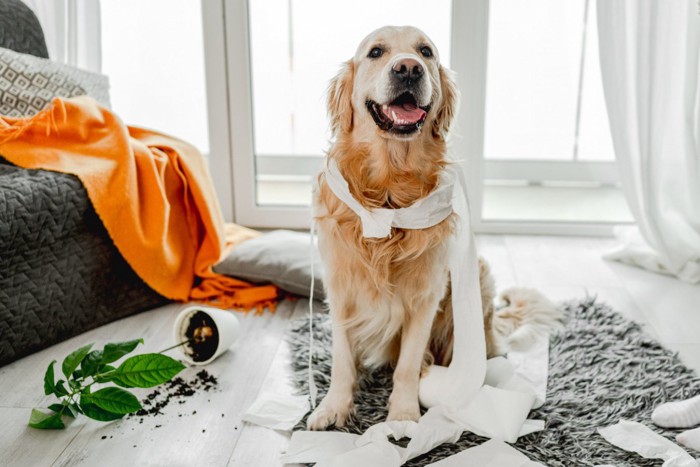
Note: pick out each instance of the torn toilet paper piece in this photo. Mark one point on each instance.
(635, 437)
(531, 364)
(307, 447)
(496, 413)
(492, 453)
(277, 411)
(531, 426)
(379, 453)
(434, 428)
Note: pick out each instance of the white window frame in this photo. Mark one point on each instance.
(232, 157)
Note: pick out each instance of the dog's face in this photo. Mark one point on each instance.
(393, 87)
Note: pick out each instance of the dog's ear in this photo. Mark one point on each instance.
(448, 105)
(340, 99)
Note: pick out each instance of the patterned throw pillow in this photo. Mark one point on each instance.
(29, 83)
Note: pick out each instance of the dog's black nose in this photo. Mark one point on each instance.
(407, 70)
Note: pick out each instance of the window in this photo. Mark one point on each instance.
(153, 53)
(547, 145)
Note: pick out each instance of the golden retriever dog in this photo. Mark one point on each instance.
(391, 107)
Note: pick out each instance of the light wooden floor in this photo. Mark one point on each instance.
(562, 267)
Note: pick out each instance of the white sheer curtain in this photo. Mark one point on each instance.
(649, 62)
(72, 31)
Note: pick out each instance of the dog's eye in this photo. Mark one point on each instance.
(375, 53)
(426, 51)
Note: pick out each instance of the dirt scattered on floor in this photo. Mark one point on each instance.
(175, 390)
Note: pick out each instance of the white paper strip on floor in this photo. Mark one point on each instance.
(379, 454)
(496, 413)
(307, 447)
(434, 429)
(635, 437)
(532, 365)
(492, 453)
(277, 411)
(531, 426)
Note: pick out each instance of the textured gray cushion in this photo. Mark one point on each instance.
(20, 29)
(29, 83)
(281, 257)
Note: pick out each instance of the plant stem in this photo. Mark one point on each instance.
(177, 345)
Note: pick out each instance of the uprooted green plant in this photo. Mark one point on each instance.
(85, 367)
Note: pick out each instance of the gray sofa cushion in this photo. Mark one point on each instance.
(20, 29)
(280, 257)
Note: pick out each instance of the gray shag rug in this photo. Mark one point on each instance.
(602, 368)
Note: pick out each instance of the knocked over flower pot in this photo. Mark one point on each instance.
(207, 333)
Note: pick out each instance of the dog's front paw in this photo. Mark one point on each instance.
(410, 413)
(330, 413)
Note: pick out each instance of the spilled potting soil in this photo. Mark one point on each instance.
(177, 391)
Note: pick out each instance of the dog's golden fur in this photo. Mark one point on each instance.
(384, 293)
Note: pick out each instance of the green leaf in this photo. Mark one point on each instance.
(146, 371)
(71, 362)
(60, 388)
(114, 351)
(96, 413)
(114, 400)
(56, 407)
(74, 385)
(39, 419)
(49, 381)
(77, 374)
(91, 363)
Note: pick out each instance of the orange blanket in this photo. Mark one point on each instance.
(152, 192)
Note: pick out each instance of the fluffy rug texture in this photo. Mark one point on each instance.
(602, 368)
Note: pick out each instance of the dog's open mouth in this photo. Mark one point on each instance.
(402, 115)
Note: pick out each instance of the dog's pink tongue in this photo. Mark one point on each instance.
(404, 114)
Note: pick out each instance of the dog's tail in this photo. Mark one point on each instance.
(526, 315)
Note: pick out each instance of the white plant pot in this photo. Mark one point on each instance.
(227, 329)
